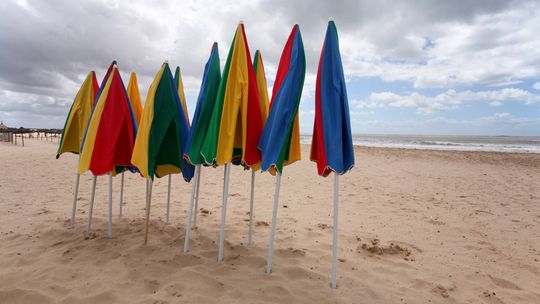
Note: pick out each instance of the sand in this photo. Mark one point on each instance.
(415, 227)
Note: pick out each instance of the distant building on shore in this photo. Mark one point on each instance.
(3, 126)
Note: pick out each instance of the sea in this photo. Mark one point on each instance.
(516, 144)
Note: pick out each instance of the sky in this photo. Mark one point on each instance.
(412, 67)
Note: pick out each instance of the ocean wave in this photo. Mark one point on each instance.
(516, 144)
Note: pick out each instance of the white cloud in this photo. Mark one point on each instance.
(449, 100)
(49, 46)
(495, 124)
(491, 48)
(536, 85)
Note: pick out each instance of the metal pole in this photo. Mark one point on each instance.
(224, 211)
(190, 212)
(148, 200)
(168, 200)
(336, 218)
(197, 197)
(273, 231)
(75, 194)
(91, 205)
(121, 194)
(110, 205)
(250, 233)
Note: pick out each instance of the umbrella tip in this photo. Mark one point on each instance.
(166, 62)
(330, 19)
(241, 22)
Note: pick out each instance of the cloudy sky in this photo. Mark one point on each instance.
(412, 67)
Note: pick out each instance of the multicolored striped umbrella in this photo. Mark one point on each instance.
(258, 67)
(76, 121)
(236, 122)
(180, 87)
(332, 146)
(110, 135)
(134, 96)
(260, 75)
(78, 116)
(163, 131)
(162, 134)
(197, 132)
(204, 109)
(279, 141)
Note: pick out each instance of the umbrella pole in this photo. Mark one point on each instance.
(273, 231)
(121, 194)
(148, 200)
(224, 210)
(75, 194)
(110, 205)
(168, 199)
(197, 198)
(250, 232)
(190, 212)
(91, 205)
(336, 218)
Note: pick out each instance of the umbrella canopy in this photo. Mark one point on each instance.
(78, 116)
(280, 139)
(236, 122)
(163, 131)
(258, 66)
(331, 145)
(134, 96)
(205, 107)
(110, 134)
(180, 86)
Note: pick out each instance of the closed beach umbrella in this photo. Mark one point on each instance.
(162, 135)
(180, 89)
(331, 145)
(110, 134)
(260, 75)
(76, 121)
(134, 96)
(278, 142)
(236, 122)
(197, 131)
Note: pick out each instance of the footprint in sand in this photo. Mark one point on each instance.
(291, 252)
(374, 247)
(491, 297)
(151, 285)
(443, 291)
(174, 290)
(324, 226)
(504, 283)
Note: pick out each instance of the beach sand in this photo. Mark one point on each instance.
(415, 227)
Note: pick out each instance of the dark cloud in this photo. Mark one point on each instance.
(47, 47)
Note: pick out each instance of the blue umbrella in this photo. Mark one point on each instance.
(277, 135)
(332, 146)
